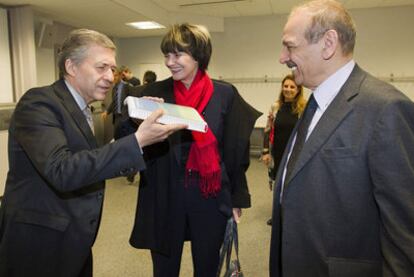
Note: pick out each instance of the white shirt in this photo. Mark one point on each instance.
(324, 94)
(78, 98)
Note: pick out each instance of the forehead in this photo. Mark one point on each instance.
(295, 27)
(99, 54)
(289, 82)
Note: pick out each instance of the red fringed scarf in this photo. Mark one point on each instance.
(203, 157)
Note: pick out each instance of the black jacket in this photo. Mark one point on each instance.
(231, 120)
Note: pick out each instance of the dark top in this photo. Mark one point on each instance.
(282, 128)
(231, 120)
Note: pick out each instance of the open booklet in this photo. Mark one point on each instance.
(141, 108)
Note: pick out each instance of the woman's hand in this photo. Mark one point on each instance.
(155, 99)
(266, 159)
(237, 213)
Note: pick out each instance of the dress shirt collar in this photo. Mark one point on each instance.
(78, 98)
(326, 92)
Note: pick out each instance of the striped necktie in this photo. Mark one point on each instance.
(88, 114)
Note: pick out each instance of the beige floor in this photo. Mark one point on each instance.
(114, 257)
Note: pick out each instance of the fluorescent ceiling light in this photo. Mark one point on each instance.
(146, 25)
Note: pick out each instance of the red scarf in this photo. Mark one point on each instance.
(204, 157)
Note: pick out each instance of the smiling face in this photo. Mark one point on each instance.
(304, 58)
(183, 67)
(93, 76)
(289, 90)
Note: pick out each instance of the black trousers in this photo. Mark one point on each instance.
(197, 219)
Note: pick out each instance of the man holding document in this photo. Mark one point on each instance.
(52, 204)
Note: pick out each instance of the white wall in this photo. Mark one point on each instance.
(45, 66)
(249, 47)
(6, 94)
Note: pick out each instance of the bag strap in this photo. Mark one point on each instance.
(227, 246)
(236, 244)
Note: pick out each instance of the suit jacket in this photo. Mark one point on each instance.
(231, 120)
(117, 118)
(55, 185)
(347, 209)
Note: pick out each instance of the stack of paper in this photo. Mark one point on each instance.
(141, 108)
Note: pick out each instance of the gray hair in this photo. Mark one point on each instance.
(329, 15)
(76, 45)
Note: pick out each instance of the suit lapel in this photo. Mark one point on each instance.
(337, 111)
(77, 115)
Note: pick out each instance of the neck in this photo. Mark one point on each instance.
(331, 67)
(74, 85)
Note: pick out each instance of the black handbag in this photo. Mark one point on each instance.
(232, 268)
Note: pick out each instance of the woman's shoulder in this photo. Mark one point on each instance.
(274, 107)
(224, 86)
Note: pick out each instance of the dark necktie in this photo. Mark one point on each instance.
(301, 133)
(118, 98)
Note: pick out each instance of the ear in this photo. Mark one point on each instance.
(330, 43)
(70, 67)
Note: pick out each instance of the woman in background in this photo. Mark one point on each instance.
(282, 117)
(194, 182)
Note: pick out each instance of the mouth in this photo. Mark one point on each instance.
(105, 88)
(175, 70)
(292, 65)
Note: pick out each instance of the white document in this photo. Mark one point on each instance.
(141, 108)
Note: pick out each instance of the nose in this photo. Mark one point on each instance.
(284, 55)
(109, 75)
(169, 60)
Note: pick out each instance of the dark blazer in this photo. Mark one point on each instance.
(54, 191)
(117, 118)
(348, 208)
(231, 120)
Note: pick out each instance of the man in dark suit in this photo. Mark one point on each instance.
(344, 201)
(51, 209)
(120, 91)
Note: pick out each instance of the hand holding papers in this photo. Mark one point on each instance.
(173, 114)
(150, 131)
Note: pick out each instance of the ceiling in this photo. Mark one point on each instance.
(110, 16)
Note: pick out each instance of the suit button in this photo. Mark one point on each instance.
(92, 221)
(100, 195)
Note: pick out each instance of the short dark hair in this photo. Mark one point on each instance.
(192, 39)
(149, 77)
(76, 45)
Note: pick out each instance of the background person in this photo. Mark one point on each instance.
(149, 77)
(51, 209)
(281, 120)
(127, 76)
(343, 205)
(194, 181)
(120, 91)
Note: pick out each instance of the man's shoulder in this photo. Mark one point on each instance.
(380, 90)
(371, 96)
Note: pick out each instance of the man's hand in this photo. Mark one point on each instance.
(150, 132)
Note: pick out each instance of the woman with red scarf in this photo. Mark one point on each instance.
(194, 181)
